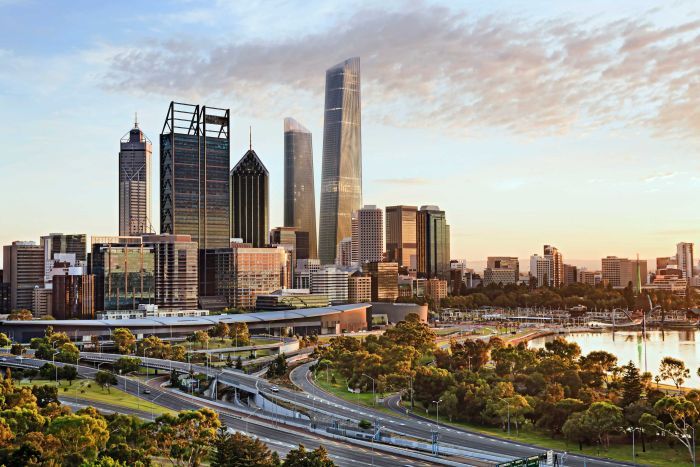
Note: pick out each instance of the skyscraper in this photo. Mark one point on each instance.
(556, 272)
(135, 183)
(23, 269)
(194, 174)
(250, 200)
(341, 177)
(368, 234)
(175, 270)
(684, 257)
(433, 243)
(401, 234)
(299, 194)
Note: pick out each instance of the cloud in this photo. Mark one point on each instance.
(430, 66)
(659, 176)
(404, 181)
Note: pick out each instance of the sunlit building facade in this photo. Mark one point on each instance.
(341, 177)
(135, 154)
(299, 194)
(401, 234)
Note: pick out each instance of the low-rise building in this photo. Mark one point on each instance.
(290, 299)
(359, 288)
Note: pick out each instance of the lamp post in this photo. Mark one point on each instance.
(633, 429)
(437, 425)
(374, 395)
(508, 409)
(53, 359)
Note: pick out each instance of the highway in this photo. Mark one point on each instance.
(281, 439)
(331, 407)
(419, 426)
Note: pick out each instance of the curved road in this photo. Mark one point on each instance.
(281, 440)
(418, 426)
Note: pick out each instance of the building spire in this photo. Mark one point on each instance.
(250, 137)
(136, 120)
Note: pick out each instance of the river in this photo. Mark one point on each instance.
(628, 345)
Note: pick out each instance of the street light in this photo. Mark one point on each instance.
(633, 429)
(508, 408)
(374, 395)
(53, 359)
(437, 425)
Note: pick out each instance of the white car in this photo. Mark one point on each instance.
(275, 389)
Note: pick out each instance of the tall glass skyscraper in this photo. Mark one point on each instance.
(194, 174)
(135, 183)
(341, 177)
(250, 194)
(299, 193)
(433, 243)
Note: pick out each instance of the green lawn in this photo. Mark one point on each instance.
(94, 393)
(340, 389)
(657, 454)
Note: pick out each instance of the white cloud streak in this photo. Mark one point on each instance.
(429, 66)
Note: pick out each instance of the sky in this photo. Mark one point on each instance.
(569, 123)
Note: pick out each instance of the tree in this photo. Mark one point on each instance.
(200, 337)
(602, 419)
(186, 438)
(69, 373)
(631, 385)
(278, 367)
(680, 414)
(20, 315)
(4, 340)
(105, 379)
(411, 332)
(239, 363)
(239, 333)
(675, 370)
(17, 349)
(300, 457)
(127, 365)
(124, 340)
(429, 384)
(575, 430)
(221, 330)
(239, 450)
(68, 353)
(82, 437)
(45, 395)
(48, 371)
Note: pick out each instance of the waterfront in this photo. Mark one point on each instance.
(628, 345)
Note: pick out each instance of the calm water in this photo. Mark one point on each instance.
(628, 345)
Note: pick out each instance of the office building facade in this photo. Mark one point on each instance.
(174, 270)
(23, 269)
(401, 234)
(331, 282)
(303, 273)
(344, 255)
(621, 272)
(135, 154)
(299, 194)
(124, 270)
(359, 288)
(250, 200)
(385, 277)
(684, 258)
(368, 235)
(341, 175)
(194, 174)
(72, 295)
(556, 264)
(433, 243)
(501, 270)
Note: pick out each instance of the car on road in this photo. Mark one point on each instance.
(3, 359)
(146, 391)
(275, 389)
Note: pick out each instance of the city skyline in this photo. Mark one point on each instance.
(617, 170)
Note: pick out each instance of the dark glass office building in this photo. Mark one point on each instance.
(299, 194)
(433, 239)
(124, 274)
(341, 174)
(250, 200)
(194, 174)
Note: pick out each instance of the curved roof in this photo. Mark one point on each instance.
(260, 317)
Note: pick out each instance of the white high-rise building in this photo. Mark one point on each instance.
(368, 234)
(684, 257)
(556, 266)
(331, 282)
(303, 274)
(540, 269)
